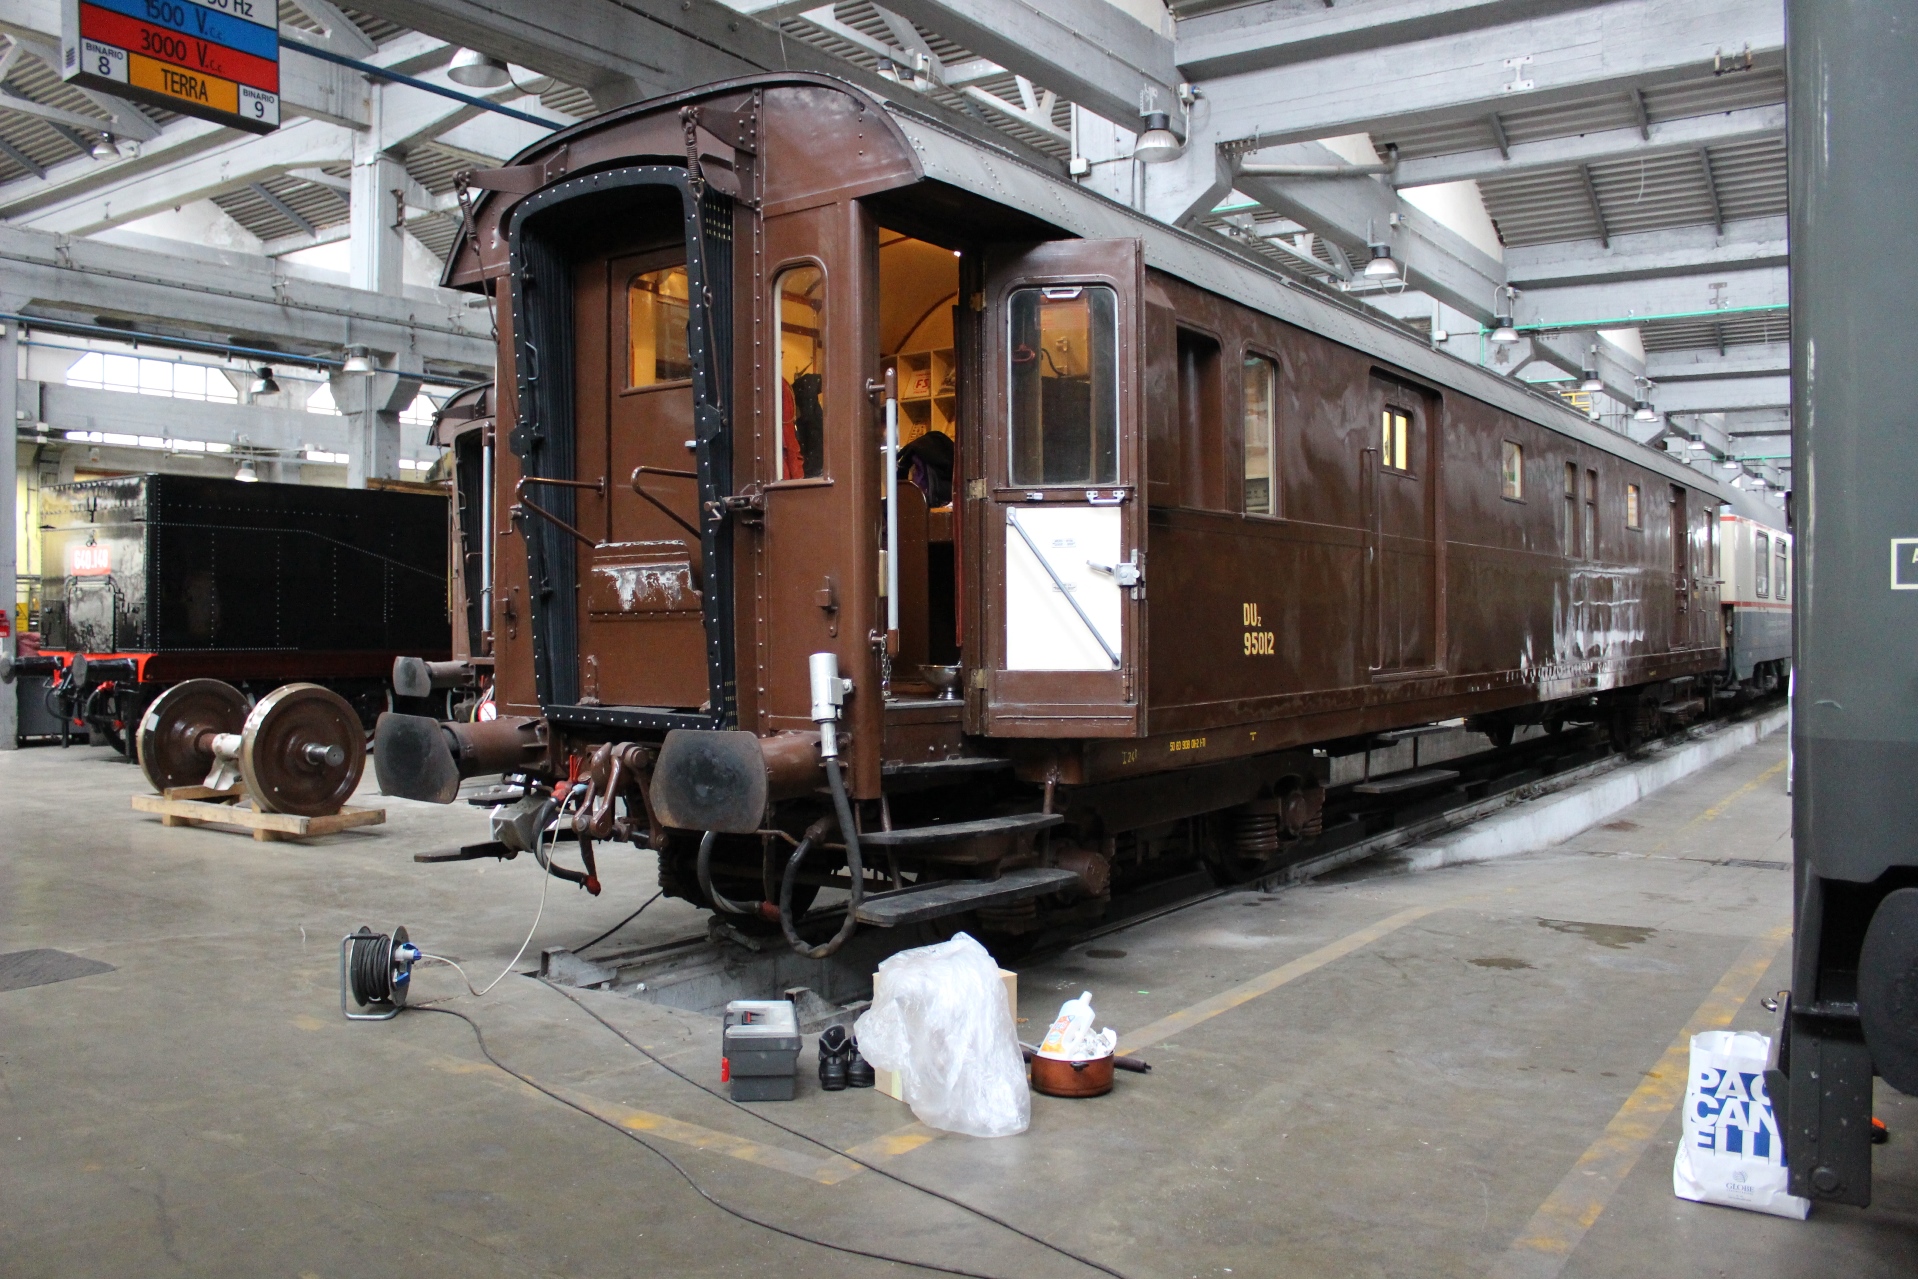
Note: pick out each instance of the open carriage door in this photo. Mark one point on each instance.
(1062, 529)
(621, 329)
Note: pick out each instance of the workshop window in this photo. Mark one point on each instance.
(1063, 347)
(1261, 378)
(1631, 507)
(1761, 565)
(1395, 434)
(799, 294)
(1782, 554)
(1512, 472)
(658, 306)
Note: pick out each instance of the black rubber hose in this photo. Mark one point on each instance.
(713, 895)
(854, 868)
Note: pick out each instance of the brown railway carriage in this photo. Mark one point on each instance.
(1200, 518)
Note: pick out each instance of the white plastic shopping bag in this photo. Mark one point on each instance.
(940, 1018)
(1730, 1152)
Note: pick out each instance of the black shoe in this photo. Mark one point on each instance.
(859, 1072)
(835, 1054)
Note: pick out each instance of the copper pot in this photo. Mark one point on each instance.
(1057, 1078)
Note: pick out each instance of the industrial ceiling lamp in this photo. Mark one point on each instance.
(263, 383)
(246, 473)
(1504, 301)
(478, 70)
(102, 148)
(1383, 265)
(1591, 381)
(358, 360)
(1158, 143)
(527, 80)
(1642, 410)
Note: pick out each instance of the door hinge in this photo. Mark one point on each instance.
(978, 301)
(975, 488)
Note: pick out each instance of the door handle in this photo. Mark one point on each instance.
(1127, 573)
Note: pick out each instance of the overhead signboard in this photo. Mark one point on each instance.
(215, 59)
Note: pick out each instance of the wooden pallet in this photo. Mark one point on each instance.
(203, 806)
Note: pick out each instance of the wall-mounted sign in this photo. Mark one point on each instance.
(215, 59)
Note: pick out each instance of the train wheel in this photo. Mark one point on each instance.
(1888, 989)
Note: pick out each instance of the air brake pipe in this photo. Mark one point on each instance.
(828, 695)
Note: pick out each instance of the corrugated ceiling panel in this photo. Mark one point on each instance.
(1709, 334)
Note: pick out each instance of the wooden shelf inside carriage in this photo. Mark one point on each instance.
(928, 392)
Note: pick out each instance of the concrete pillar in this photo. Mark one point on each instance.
(1191, 186)
(372, 404)
(9, 518)
(378, 245)
(1107, 149)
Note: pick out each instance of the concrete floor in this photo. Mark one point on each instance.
(1401, 1105)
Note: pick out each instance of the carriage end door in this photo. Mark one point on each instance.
(1062, 523)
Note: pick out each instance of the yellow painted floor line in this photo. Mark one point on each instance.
(1718, 809)
(879, 1149)
(1265, 983)
(827, 1170)
(1556, 1229)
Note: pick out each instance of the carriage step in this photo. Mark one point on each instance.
(1688, 706)
(950, 896)
(1397, 782)
(941, 769)
(954, 832)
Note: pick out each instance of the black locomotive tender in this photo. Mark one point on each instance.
(154, 580)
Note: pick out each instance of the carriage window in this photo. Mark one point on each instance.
(1064, 350)
(800, 296)
(1761, 564)
(1261, 390)
(1591, 515)
(1512, 472)
(657, 309)
(1570, 531)
(1396, 428)
(1783, 556)
(1631, 507)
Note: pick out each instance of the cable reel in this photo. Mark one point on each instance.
(376, 971)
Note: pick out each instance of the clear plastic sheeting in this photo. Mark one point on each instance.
(940, 1018)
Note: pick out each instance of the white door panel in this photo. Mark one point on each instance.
(1044, 632)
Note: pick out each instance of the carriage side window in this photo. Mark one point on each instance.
(1591, 515)
(657, 310)
(1631, 507)
(1512, 472)
(1261, 393)
(1569, 532)
(800, 300)
(1064, 383)
(1395, 430)
(1783, 555)
(1761, 565)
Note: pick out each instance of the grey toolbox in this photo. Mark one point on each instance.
(761, 1049)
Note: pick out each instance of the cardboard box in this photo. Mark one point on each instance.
(888, 1081)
